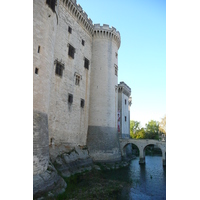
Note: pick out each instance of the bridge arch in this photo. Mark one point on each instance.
(125, 146)
(141, 144)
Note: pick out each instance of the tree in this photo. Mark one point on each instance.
(134, 128)
(141, 134)
(152, 129)
(162, 125)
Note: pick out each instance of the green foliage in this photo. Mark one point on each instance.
(162, 125)
(134, 128)
(151, 130)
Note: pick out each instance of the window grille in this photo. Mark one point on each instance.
(59, 69)
(71, 51)
(77, 80)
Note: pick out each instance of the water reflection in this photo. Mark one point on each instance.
(148, 180)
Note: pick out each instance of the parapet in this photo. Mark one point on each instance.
(106, 31)
(94, 29)
(77, 11)
(122, 87)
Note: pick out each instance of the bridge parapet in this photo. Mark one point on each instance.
(141, 144)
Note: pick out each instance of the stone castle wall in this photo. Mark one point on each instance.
(44, 32)
(57, 121)
(68, 123)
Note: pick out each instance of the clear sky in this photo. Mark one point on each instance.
(142, 54)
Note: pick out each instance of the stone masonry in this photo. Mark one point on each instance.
(75, 84)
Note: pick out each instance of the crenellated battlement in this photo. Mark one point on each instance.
(94, 29)
(77, 11)
(122, 87)
(106, 31)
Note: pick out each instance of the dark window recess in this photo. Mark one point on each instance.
(69, 29)
(70, 98)
(82, 103)
(83, 42)
(38, 49)
(125, 101)
(36, 70)
(86, 63)
(51, 4)
(71, 51)
(59, 69)
(125, 118)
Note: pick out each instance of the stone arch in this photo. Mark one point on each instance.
(142, 153)
(125, 145)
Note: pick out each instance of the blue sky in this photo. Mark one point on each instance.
(142, 54)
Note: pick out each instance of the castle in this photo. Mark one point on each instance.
(76, 96)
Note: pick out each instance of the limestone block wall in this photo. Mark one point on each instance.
(102, 131)
(44, 32)
(68, 122)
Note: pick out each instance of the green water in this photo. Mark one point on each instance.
(139, 182)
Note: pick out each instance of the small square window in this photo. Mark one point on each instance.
(82, 103)
(116, 54)
(59, 69)
(70, 98)
(71, 51)
(36, 70)
(69, 29)
(86, 63)
(83, 42)
(77, 80)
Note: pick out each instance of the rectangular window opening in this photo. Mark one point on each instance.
(86, 63)
(125, 118)
(69, 29)
(125, 101)
(38, 49)
(70, 98)
(83, 42)
(36, 70)
(77, 80)
(82, 103)
(59, 69)
(71, 51)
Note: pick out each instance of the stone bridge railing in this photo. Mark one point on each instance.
(141, 144)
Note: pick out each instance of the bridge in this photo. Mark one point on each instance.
(142, 144)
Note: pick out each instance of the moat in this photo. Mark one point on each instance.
(132, 182)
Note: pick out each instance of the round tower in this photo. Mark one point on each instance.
(44, 32)
(103, 141)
